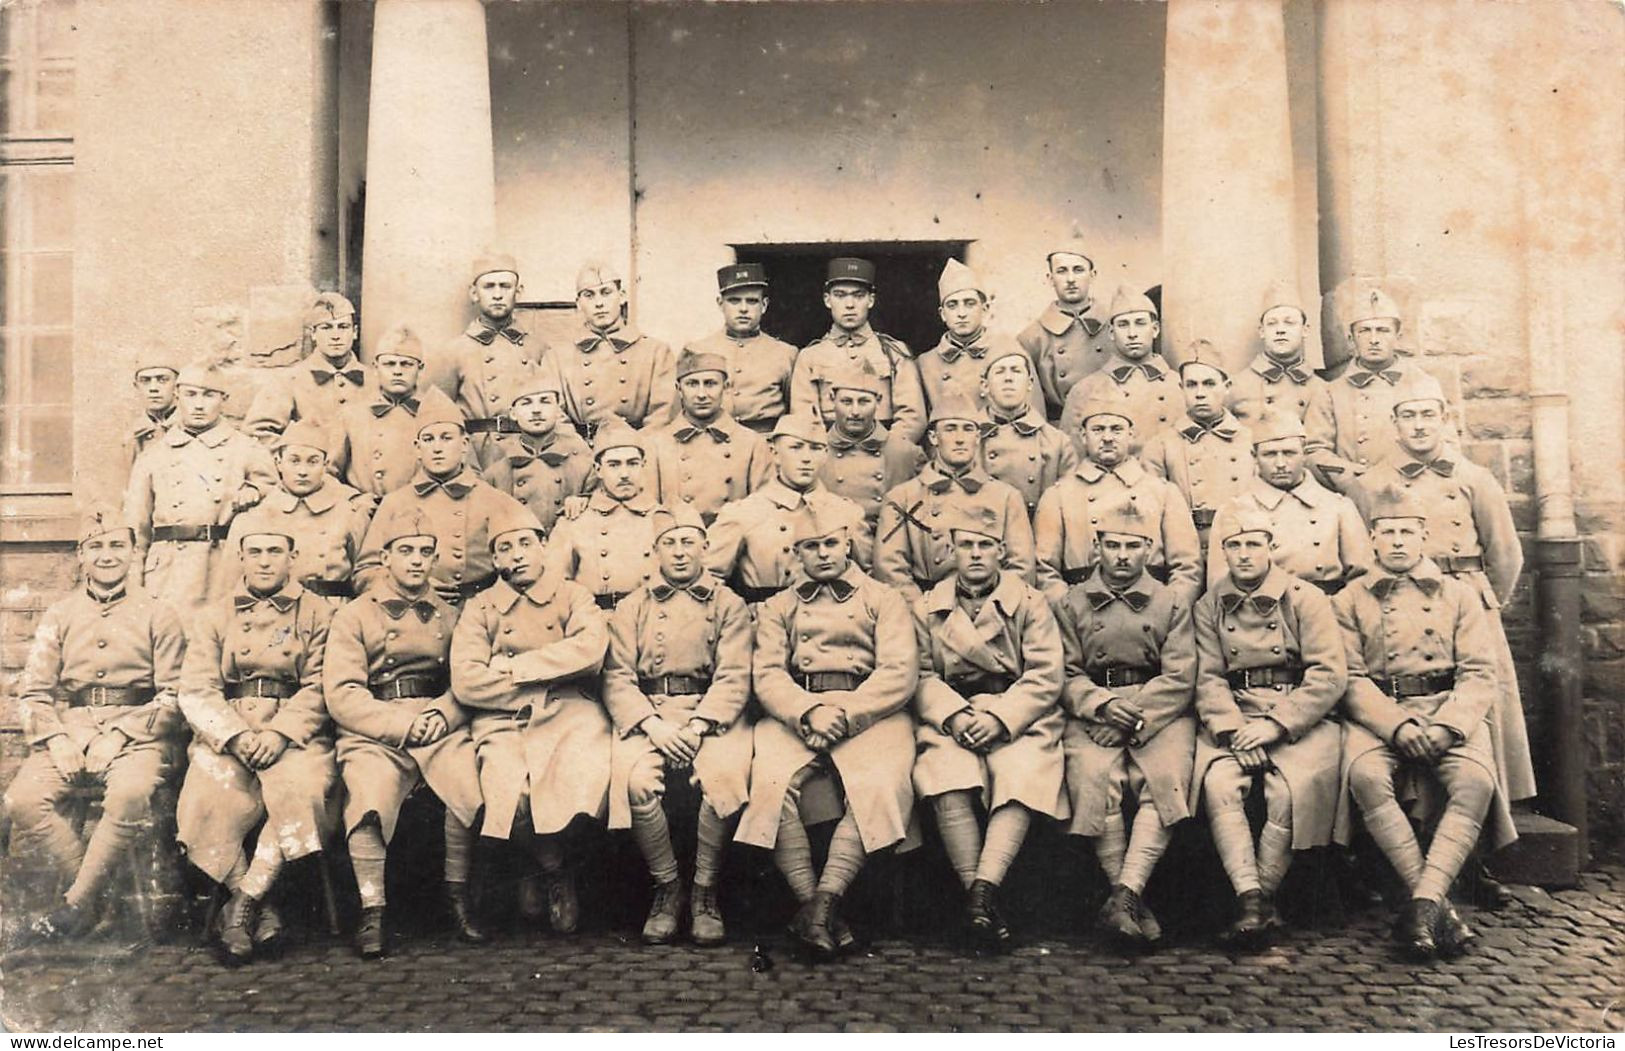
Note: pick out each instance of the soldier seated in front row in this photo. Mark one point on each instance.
(1270, 669)
(389, 693)
(836, 663)
(676, 684)
(989, 731)
(1130, 672)
(262, 752)
(1421, 694)
(97, 699)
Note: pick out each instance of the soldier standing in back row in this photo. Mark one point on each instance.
(610, 369)
(1136, 377)
(849, 293)
(865, 462)
(544, 464)
(705, 458)
(1279, 378)
(954, 367)
(759, 366)
(318, 388)
(155, 382)
(373, 439)
(1070, 339)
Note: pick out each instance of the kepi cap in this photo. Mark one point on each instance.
(741, 275)
(845, 268)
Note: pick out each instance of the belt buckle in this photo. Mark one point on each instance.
(1111, 678)
(1248, 681)
(97, 696)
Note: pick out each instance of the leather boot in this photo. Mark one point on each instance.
(1269, 921)
(563, 911)
(369, 933)
(462, 914)
(982, 910)
(1454, 937)
(237, 925)
(1417, 922)
(268, 931)
(532, 896)
(1248, 926)
(1489, 892)
(811, 925)
(845, 941)
(1119, 918)
(661, 926)
(705, 917)
(1148, 923)
(64, 921)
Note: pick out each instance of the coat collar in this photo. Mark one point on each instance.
(699, 588)
(1026, 425)
(1308, 492)
(1225, 428)
(938, 480)
(842, 338)
(1130, 472)
(284, 598)
(1006, 594)
(1153, 366)
(505, 596)
(873, 442)
(605, 504)
(481, 331)
(319, 502)
(1057, 322)
(214, 437)
(1273, 371)
(1102, 594)
(619, 337)
(147, 425)
(1425, 575)
(457, 486)
(784, 496)
(1273, 586)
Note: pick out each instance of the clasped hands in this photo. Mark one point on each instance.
(1250, 744)
(824, 726)
(975, 730)
(1120, 720)
(678, 745)
(429, 727)
(258, 749)
(1423, 745)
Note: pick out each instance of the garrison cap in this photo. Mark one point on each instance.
(1281, 294)
(1014, 352)
(400, 341)
(1247, 520)
(976, 518)
(98, 518)
(957, 277)
(328, 306)
(956, 406)
(1393, 502)
(1104, 403)
(261, 521)
(1128, 520)
(596, 274)
(860, 271)
(690, 362)
(512, 517)
(860, 376)
(204, 375)
(537, 380)
(665, 519)
(308, 433)
(1203, 352)
(404, 520)
(800, 425)
(1072, 245)
(434, 411)
(1125, 301)
(1371, 302)
(617, 434)
(814, 521)
(493, 263)
(151, 359)
(741, 275)
(1276, 425)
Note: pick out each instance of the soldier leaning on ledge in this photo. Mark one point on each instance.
(97, 700)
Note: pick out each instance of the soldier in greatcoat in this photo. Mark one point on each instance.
(374, 448)
(835, 667)
(155, 383)
(1019, 447)
(318, 388)
(1280, 378)
(1135, 377)
(676, 684)
(543, 465)
(1130, 732)
(913, 549)
(1420, 708)
(865, 461)
(525, 659)
(97, 701)
(988, 731)
(705, 458)
(610, 369)
(388, 690)
(262, 750)
(1270, 669)
(1071, 338)
(953, 368)
(759, 366)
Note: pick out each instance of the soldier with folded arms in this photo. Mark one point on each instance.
(97, 699)
(1270, 670)
(676, 684)
(835, 667)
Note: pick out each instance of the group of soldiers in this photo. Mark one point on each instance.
(1054, 577)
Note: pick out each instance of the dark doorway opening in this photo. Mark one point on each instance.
(905, 286)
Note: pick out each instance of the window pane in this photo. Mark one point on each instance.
(56, 28)
(53, 101)
(50, 198)
(52, 302)
(50, 375)
(45, 458)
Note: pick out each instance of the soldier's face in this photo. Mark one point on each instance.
(798, 460)
(824, 557)
(620, 472)
(742, 310)
(1134, 334)
(495, 294)
(955, 441)
(1419, 424)
(301, 468)
(105, 558)
(1008, 384)
(409, 560)
(1070, 276)
(536, 413)
(397, 373)
(442, 448)
(976, 556)
(334, 337)
(1248, 556)
(200, 407)
(965, 313)
(1398, 543)
(679, 552)
(1205, 389)
(600, 306)
(517, 555)
(1281, 329)
(1122, 556)
(849, 303)
(855, 411)
(157, 388)
(1106, 439)
(1376, 341)
(1281, 463)
(701, 393)
(267, 561)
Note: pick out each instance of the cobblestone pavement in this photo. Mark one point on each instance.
(1547, 962)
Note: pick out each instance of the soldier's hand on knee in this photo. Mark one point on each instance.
(1257, 734)
(102, 750)
(985, 731)
(956, 723)
(270, 749)
(1440, 740)
(1105, 736)
(826, 721)
(427, 728)
(65, 756)
(1252, 760)
(1412, 743)
(669, 741)
(1122, 715)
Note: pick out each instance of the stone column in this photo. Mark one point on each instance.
(1229, 190)
(431, 183)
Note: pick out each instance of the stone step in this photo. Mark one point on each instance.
(1547, 853)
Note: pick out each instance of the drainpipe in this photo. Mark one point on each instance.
(1557, 599)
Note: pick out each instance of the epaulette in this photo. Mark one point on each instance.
(895, 345)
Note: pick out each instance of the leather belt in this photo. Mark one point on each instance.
(675, 685)
(609, 598)
(183, 534)
(1278, 675)
(491, 425)
(469, 589)
(1203, 516)
(330, 588)
(110, 696)
(1424, 685)
(1460, 563)
(825, 681)
(421, 684)
(262, 686)
(754, 595)
(586, 430)
(1075, 575)
(763, 425)
(1330, 587)
(926, 583)
(1113, 676)
(982, 682)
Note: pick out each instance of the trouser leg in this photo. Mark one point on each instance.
(1006, 831)
(961, 832)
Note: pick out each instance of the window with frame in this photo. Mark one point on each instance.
(36, 246)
